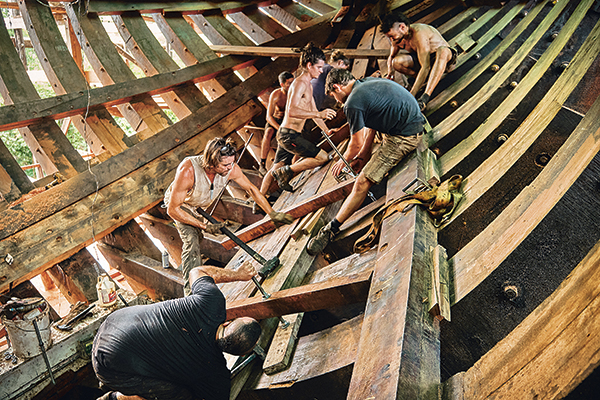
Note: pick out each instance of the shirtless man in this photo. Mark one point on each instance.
(417, 50)
(300, 106)
(275, 113)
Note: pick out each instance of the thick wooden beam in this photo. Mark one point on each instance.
(167, 283)
(132, 238)
(77, 277)
(71, 191)
(560, 337)
(398, 352)
(264, 51)
(332, 293)
(15, 174)
(301, 209)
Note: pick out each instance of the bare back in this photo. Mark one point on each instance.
(423, 38)
(279, 99)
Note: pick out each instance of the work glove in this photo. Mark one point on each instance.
(280, 218)
(423, 100)
(215, 229)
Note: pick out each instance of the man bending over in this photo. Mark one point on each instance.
(370, 104)
(419, 51)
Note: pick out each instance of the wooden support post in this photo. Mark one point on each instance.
(14, 175)
(283, 345)
(80, 275)
(132, 238)
(167, 283)
(398, 352)
(439, 293)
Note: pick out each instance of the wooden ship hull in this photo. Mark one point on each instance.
(497, 302)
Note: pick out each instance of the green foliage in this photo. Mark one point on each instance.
(16, 145)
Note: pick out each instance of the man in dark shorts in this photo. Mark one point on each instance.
(419, 51)
(300, 106)
(275, 113)
(370, 104)
(172, 350)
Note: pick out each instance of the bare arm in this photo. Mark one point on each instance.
(423, 53)
(271, 108)
(390, 62)
(221, 275)
(238, 177)
(183, 183)
(358, 149)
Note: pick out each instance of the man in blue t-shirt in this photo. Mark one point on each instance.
(370, 104)
(173, 350)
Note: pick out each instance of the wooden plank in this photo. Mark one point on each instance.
(227, 30)
(552, 350)
(480, 180)
(265, 22)
(316, 6)
(55, 150)
(235, 210)
(488, 89)
(332, 293)
(167, 283)
(316, 355)
(398, 351)
(39, 247)
(309, 205)
(353, 264)
(359, 67)
(110, 68)
(451, 158)
(283, 345)
(172, 30)
(482, 255)
(251, 29)
(268, 51)
(208, 30)
(485, 63)
(65, 76)
(77, 276)
(454, 21)
(118, 7)
(73, 190)
(439, 293)
(149, 53)
(284, 18)
(9, 191)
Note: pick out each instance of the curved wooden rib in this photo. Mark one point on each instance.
(450, 159)
(484, 253)
(492, 169)
(487, 90)
(482, 65)
(551, 351)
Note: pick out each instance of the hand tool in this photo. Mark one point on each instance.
(268, 266)
(216, 200)
(256, 351)
(41, 342)
(81, 315)
(350, 170)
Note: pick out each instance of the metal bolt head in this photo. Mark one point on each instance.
(473, 19)
(477, 56)
(495, 68)
(513, 84)
(511, 292)
(554, 35)
(564, 65)
(502, 138)
(454, 104)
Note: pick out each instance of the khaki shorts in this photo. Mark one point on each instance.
(390, 153)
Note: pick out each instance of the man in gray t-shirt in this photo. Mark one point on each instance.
(370, 104)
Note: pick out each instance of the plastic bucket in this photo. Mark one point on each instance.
(23, 339)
